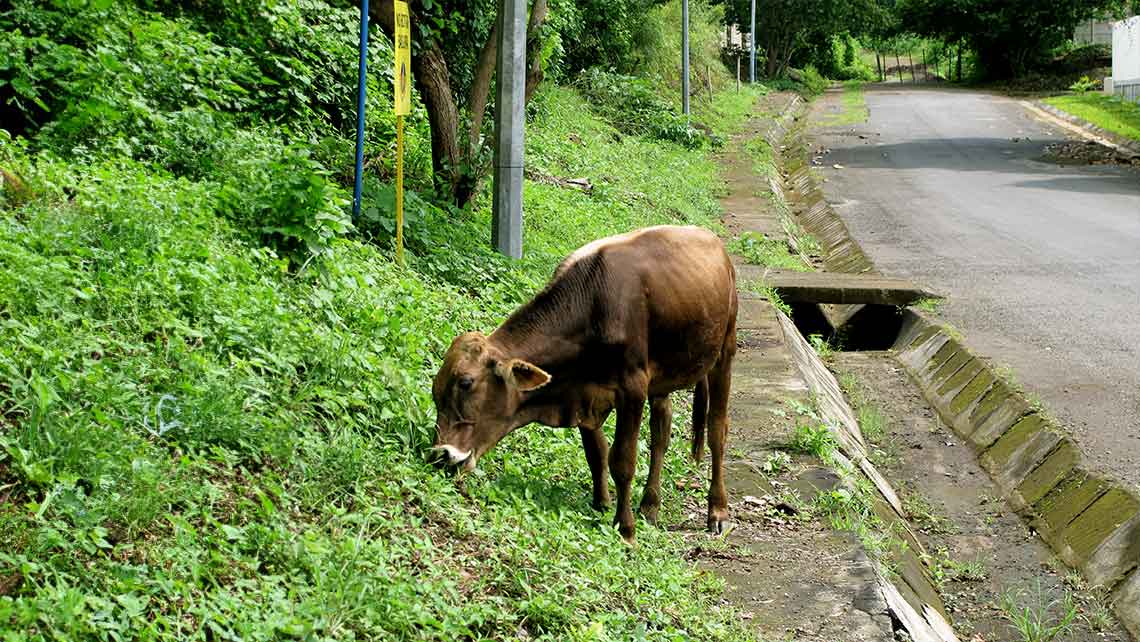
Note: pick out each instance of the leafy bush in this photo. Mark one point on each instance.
(633, 106)
(1084, 84)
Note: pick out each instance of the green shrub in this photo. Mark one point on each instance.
(1083, 85)
(633, 106)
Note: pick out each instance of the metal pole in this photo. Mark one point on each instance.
(738, 74)
(399, 190)
(752, 46)
(685, 57)
(510, 115)
(357, 188)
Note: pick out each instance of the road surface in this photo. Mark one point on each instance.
(1040, 262)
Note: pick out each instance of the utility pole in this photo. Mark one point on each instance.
(752, 46)
(685, 57)
(510, 115)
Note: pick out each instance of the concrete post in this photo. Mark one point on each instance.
(685, 57)
(510, 115)
(752, 46)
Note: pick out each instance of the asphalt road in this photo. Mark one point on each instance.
(1040, 262)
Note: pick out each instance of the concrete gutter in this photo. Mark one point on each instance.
(911, 596)
(1092, 523)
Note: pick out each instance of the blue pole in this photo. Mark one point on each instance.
(360, 110)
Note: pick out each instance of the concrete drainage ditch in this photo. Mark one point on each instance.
(1091, 523)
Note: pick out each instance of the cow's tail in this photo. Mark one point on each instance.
(700, 418)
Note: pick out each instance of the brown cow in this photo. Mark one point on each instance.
(624, 320)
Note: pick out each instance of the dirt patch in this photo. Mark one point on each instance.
(1073, 152)
(989, 564)
(790, 577)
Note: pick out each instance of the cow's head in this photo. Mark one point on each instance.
(477, 394)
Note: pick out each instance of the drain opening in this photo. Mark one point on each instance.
(872, 327)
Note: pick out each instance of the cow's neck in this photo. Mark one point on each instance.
(551, 330)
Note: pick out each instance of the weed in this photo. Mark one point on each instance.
(821, 346)
(813, 439)
(872, 423)
(923, 514)
(1036, 616)
(943, 568)
(930, 305)
(758, 249)
(768, 293)
(776, 463)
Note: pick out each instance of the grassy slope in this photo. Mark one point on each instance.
(195, 444)
(1112, 114)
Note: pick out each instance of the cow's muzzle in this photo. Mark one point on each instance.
(453, 456)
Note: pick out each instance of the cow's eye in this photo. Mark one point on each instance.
(465, 383)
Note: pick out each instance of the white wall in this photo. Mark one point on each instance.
(1126, 57)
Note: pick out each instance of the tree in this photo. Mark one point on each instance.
(786, 28)
(454, 49)
(1009, 37)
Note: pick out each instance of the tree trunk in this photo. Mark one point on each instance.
(481, 88)
(959, 63)
(879, 65)
(534, 73)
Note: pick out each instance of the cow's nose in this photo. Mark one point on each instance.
(453, 455)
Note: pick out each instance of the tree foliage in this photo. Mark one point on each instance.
(1009, 37)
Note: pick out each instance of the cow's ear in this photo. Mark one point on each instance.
(522, 375)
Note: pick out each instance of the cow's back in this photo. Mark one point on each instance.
(676, 288)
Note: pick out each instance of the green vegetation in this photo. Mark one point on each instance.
(854, 107)
(1036, 616)
(930, 305)
(923, 514)
(821, 345)
(759, 249)
(813, 439)
(995, 30)
(215, 387)
(1108, 112)
(944, 569)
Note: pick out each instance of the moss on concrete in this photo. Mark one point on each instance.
(948, 350)
(999, 454)
(1069, 499)
(1050, 472)
(1093, 526)
(972, 392)
(994, 397)
(961, 377)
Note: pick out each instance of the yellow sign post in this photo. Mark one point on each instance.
(402, 105)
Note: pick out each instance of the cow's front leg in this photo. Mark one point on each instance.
(594, 443)
(623, 455)
(661, 428)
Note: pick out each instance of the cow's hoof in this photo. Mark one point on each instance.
(649, 512)
(601, 505)
(628, 535)
(718, 522)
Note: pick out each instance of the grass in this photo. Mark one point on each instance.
(199, 443)
(925, 515)
(813, 439)
(1108, 112)
(930, 305)
(854, 107)
(944, 569)
(759, 150)
(1037, 616)
(822, 346)
(759, 249)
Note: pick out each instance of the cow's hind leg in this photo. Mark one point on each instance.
(720, 379)
(594, 443)
(661, 427)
